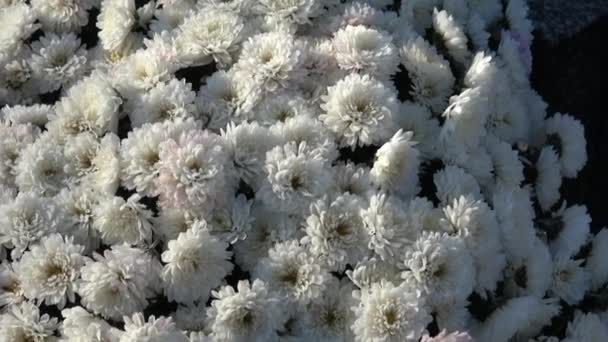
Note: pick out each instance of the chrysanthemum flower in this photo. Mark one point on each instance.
(161, 329)
(23, 322)
(119, 221)
(360, 111)
(196, 262)
(49, 271)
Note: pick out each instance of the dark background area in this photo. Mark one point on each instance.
(571, 77)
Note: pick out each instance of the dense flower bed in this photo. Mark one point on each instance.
(287, 170)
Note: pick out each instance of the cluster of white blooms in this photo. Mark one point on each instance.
(287, 170)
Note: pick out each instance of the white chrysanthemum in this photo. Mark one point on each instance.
(170, 222)
(95, 163)
(196, 263)
(194, 171)
(272, 59)
(49, 271)
(58, 60)
(293, 272)
(586, 327)
(548, 178)
(529, 272)
(62, 16)
(335, 232)
(246, 145)
(567, 135)
(356, 13)
(441, 267)
(353, 179)
(268, 228)
(90, 105)
(232, 222)
(11, 290)
(293, 11)
(140, 72)
(166, 101)
(390, 313)
(17, 24)
(452, 182)
(521, 317)
(452, 34)
(210, 35)
(360, 111)
(26, 220)
(445, 337)
(464, 125)
(432, 79)
(251, 313)
(115, 22)
(81, 326)
(120, 282)
(161, 329)
(370, 271)
(475, 222)
(572, 227)
(570, 280)
(23, 323)
(14, 140)
(595, 265)
(366, 50)
(507, 169)
(418, 119)
(387, 224)
(139, 155)
(396, 165)
(40, 168)
(226, 97)
(296, 175)
(309, 130)
(119, 221)
(330, 317)
(280, 107)
(37, 114)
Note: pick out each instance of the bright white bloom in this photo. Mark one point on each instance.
(454, 38)
(452, 182)
(17, 24)
(166, 101)
(572, 227)
(365, 50)
(11, 291)
(115, 22)
(360, 111)
(37, 114)
(296, 176)
(296, 11)
(62, 16)
(120, 282)
(396, 165)
(370, 271)
(81, 326)
(210, 35)
(331, 317)
(441, 267)
(293, 272)
(251, 313)
(141, 71)
(335, 231)
(49, 271)
(94, 162)
(90, 105)
(119, 221)
(27, 220)
(432, 79)
(445, 337)
(567, 136)
(194, 171)
(161, 329)
(390, 313)
(521, 316)
(23, 323)
(139, 155)
(57, 61)
(196, 263)
(272, 59)
(40, 168)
